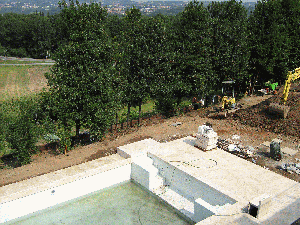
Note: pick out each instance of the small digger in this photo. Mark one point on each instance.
(228, 102)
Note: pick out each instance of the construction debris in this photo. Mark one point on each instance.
(266, 143)
(289, 151)
(291, 167)
(176, 124)
(206, 138)
(233, 148)
(236, 137)
(236, 149)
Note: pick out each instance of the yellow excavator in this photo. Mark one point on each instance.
(281, 109)
(228, 99)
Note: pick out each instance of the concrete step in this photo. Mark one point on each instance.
(177, 201)
(145, 173)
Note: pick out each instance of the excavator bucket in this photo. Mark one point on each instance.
(279, 110)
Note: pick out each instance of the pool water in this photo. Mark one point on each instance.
(125, 203)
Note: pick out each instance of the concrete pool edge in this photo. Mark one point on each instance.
(236, 177)
(60, 177)
(68, 188)
(31, 197)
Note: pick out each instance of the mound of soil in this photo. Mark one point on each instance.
(258, 115)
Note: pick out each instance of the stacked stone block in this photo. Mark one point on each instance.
(206, 138)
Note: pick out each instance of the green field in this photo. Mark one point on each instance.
(21, 61)
(18, 81)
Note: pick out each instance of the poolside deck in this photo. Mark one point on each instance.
(41, 183)
(240, 179)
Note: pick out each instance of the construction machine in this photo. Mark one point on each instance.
(228, 101)
(281, 109)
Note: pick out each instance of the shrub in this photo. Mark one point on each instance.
(21, 132)
(22, 138)
(17, 52)
(2, 50)
(165, 105)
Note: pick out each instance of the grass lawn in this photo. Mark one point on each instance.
(16, 81)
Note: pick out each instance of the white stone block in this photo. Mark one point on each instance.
(206, 138)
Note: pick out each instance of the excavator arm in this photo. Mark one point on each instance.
(290, 77)
(281, 109)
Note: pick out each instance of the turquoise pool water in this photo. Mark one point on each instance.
(125, 203)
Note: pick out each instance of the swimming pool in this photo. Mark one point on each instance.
(189, 197)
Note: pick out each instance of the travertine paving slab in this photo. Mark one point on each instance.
(137, 148)
(289, 151)
(234, 176)
(60, 177)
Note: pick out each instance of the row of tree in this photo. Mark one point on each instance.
(108, 62)
(268, 39)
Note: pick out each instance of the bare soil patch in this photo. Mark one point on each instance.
(246, 123)
(258, 115)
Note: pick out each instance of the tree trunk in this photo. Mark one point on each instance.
(116, 120)
(77, 128)
(128, 114)
(140, 110)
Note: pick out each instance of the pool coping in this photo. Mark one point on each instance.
(60, 177)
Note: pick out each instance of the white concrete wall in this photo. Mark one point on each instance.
(188, 186)
(207, 200)
(200, 211)
(57, 195)
(144, 173)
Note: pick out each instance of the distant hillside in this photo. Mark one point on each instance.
(51, 6)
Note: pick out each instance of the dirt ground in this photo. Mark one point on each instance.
(163, 130)
(258, 115)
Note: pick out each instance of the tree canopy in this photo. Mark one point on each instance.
(82, 81)
(274, 38)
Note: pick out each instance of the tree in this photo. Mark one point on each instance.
(290, 17)
(230, 52)
(13, 34)
(190, 44)
(82, 81)
(27, 35)
(19, 131)
(135, 50)
(274, 38)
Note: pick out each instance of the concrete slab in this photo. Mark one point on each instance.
(289, 151)
(137, 148)
(40, 183)
(236, 177)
